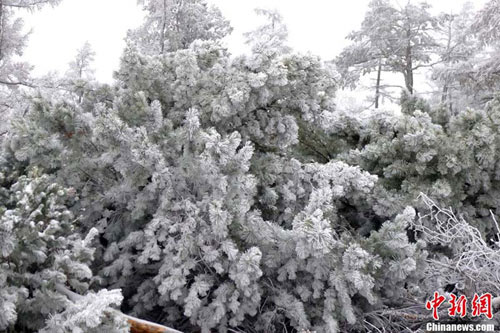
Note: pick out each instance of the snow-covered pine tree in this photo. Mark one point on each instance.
(474, 68)
(80, 76)
(392, 38)
(457, 45)
(208, 214)
(14, 73)
(450, 158)
(172, 25)
(40, 249)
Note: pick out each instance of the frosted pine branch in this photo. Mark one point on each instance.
(136, 325)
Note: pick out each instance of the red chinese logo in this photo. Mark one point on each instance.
(482, 305)
(458, 305)
(435, 304)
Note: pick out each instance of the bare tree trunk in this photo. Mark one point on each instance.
(1, 29)
(446, 98)
(450, 102)
(163, 28)
(444, 93)
(377, 86)
(408, 72)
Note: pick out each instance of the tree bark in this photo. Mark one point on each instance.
(446, 97)
(377, 86)
(1, 29)
(163, 28)
(408, 72)
(444, 94)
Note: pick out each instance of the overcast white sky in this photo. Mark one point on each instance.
(316, 26)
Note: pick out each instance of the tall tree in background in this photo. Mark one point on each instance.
(80, 73)
(12, 41)
(272, 36)
(14, 73)
(371, 49)
(470, 60)
(482, 73)
(413, 43)
(392, 39)
(174, 24)
(457, 44)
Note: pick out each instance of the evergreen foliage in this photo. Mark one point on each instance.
(227, 193)
(40, 248)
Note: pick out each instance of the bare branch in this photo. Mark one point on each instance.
(11, 83)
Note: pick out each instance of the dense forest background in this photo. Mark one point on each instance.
(211, 192)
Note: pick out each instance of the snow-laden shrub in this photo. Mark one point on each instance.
(41, 246)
